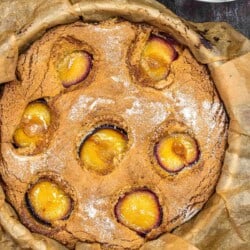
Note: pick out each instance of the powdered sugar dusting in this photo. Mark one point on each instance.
(111, 47)
(136, 108)
(188, 109)
(26, 165)
(159, 112)
(189, 114)
(195, 113)
(85, 105)
(112, 50)
(90, 207)
(100, 219)
(121, 79)
(154, 112)
(206, 105)
(211, 109)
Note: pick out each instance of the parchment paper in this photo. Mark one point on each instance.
(224, 222)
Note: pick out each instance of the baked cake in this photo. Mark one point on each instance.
(113, 133)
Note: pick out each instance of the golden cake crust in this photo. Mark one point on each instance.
(111, 94)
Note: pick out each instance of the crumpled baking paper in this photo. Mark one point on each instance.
(224, 222)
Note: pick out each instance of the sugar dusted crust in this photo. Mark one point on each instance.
(111, 94)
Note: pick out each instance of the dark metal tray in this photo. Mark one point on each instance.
(236, 13)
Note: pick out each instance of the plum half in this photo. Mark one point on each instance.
(74, 68)
(176, 151)
(34, 124)
(156, 57)
(48, 202)
(139, 210)
(101, 150)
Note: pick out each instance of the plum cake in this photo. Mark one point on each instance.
(112, 133)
